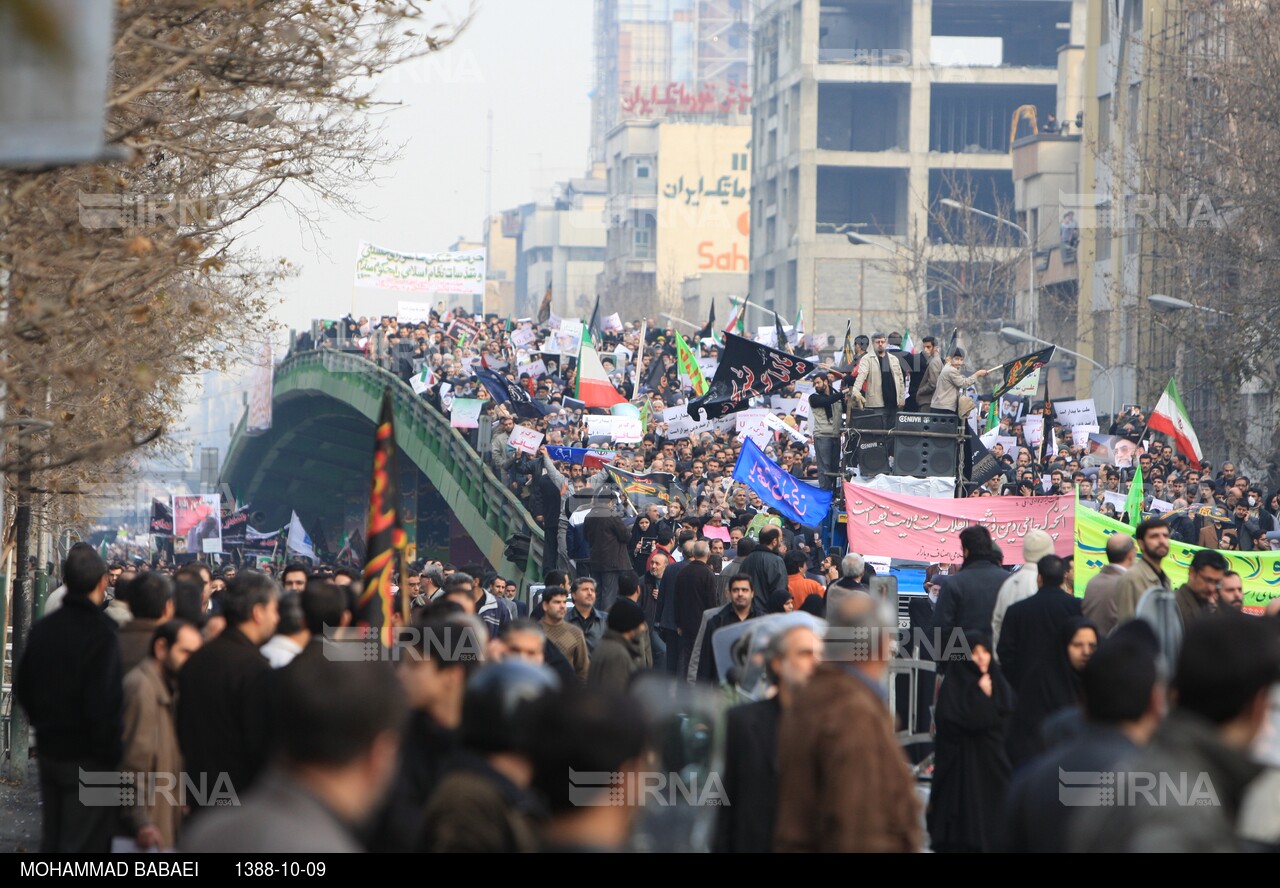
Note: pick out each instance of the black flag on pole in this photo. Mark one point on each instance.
(708, 331)
(1016, 371)
(161, 518)
(747, 370)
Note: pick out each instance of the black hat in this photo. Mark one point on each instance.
(625, 615)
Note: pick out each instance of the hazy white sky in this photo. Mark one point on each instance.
(528, 62)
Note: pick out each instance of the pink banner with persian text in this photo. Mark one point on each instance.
(920, 528)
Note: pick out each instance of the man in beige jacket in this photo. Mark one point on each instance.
(950, 381)
(878, 383)
(150, 739)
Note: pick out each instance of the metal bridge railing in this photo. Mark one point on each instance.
(501, 511)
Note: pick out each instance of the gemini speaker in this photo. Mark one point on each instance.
(868, 452)
(921, 455)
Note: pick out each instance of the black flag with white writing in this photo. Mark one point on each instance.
(747, 370)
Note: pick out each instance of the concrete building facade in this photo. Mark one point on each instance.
(678, 206)
(561, 244)
(867, 113)
(670, 59)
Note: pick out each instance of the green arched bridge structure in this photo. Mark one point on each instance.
(317, 460)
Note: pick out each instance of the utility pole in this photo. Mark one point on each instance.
(23, 601)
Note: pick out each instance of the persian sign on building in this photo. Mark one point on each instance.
(704, 200)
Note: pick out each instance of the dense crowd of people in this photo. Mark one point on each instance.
(877, 373)
(240, 723)
(250, 717)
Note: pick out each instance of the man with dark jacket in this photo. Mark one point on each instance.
(223, 691)
(743, 605)
(609, 539)
(668, 625)
(751, 744)
(843, 781)
(585, 615)
(764, 566)
(619, 653)
(150, 597)
(68, 680)
(968, 598)
(695, 592)
(1033, 626)
(826, 405)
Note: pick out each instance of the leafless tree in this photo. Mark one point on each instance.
(122, 281)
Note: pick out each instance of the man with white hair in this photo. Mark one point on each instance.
(751, 743)
(852, 567)
(843, 766)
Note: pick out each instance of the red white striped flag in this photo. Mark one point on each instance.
(1170, 417)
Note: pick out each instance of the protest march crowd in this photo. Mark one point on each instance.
(685, 490)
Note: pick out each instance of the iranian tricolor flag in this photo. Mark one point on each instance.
(737, 318)
(594, 387)
(1170, 417)
(908, 344)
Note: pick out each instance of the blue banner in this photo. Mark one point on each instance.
(779, 488)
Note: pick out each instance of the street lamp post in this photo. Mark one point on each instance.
(1031, 257)
(1014, 335)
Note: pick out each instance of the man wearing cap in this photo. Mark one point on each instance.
(620, 651)
(826, 406)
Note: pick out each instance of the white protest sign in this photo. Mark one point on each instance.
(1074, 413)
(685, 426)
(1033, 429)
(1027, 387)
(768, 335)
(1009, 443)
(622, 429)
(422, 382)
(627, 429)
(465, 413)
(777, 424)
(535, 369)
(804, 388)
(1159, 505)
(786, 405)
(880, 563)
(1117, 500)
(1080, 434)
(612, 324)
(413, 312)
(525, 439)
(754, 424)
(988, 438)
(446, 397)
(522, 337)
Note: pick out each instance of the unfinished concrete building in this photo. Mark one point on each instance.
(866, 113)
